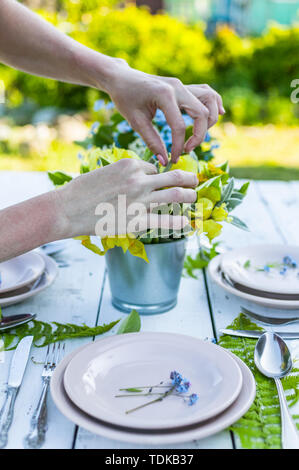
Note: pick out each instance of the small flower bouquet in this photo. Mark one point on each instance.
(114, 139)
(178, 387)
(152, 287)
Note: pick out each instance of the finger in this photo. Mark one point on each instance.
(199, 112)
(170, 108)
(212, 106)
(177, 194)
(161, 160)
(203, 92)
(143, 125)
(180, 178)
(148, 168)
(200, 128)
(220, 104)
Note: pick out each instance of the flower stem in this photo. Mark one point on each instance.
(149, 394)
(137, 395)
(152, 401)
(144, 386)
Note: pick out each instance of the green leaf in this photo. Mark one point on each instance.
(215, 182)
(104, 161)
(168, 167)
(59, 178)
(84, 168)
(239, 223)
(224, 167)
(126, 139)
(188, 132)
(130, 324)
(232, 203)
(201, 261)
(104, 136)
(244, 188)
(227, 191)
(147, 155)
(116, 118)
(205, 155)
(237, 195)
(86, 143)
(136, 390)
(247, 264)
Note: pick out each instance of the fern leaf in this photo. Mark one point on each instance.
(45, 333)
(260, 427)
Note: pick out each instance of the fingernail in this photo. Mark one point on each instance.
(223, 110)
(161, 160)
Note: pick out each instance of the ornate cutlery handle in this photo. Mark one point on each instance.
(289, 433)
(6, 415)
(38, 425)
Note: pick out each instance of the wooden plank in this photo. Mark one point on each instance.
(281, 200)
(74, 297)
(18, 186)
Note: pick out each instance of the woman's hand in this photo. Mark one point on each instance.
(106, 201)
(102, 202)
(138, 95)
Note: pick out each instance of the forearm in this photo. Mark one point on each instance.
(29, 43)
(30, 224)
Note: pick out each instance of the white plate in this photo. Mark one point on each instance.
(214, 270)
(20, 271)
(174, 436)
(46, 279)
(96, 374)
(232, 264)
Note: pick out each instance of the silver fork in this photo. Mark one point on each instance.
(38, 424)
(269, 320)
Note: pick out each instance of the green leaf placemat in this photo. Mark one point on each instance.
(260, 427)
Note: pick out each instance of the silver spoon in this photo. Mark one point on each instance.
(12, 321)
(273, 359)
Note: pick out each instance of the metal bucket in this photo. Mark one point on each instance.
(152, 287)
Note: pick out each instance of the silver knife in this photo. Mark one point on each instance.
(17, 369)
(257, 334)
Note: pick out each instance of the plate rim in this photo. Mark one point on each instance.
(262, 246)
(202, 431)
(264, 301)
(32, 279)
(174, 337)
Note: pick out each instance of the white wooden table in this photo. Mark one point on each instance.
(81, 294)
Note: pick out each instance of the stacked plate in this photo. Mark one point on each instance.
(25, 276)
(88, 388)
(264, 274)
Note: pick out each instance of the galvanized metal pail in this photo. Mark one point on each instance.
(152, 287)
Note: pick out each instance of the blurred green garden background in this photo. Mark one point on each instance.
(259, 134)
